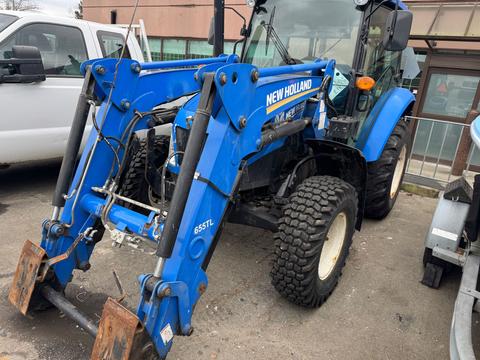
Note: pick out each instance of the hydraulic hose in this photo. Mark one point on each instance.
(271, 135)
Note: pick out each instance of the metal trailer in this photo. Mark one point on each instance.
(452, 241)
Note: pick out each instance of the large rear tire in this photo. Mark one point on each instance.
(313, 241)
(386, 174)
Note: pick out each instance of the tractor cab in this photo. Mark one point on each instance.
(362, 36)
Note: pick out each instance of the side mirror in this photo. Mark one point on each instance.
(399, 24)
(211, 32)
(25, 66)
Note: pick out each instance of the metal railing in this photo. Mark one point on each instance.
(442, 151)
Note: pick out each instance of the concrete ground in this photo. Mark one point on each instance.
(378, 311)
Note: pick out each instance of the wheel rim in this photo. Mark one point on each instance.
(332, 246)
(397, 175)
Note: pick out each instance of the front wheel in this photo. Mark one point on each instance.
(386, 174)
(313, 240)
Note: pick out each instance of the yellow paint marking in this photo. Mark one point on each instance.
(289, 99)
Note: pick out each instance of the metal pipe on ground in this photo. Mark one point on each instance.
(70, 310)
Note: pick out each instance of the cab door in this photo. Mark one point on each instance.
(380, 64)
(36, 117)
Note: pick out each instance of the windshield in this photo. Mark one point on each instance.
(302, 31)
(6, 20)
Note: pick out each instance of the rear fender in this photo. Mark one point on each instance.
(382, 120)
(344, 162)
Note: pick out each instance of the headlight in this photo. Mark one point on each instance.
(250, 3)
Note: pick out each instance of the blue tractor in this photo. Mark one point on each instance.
(303, 134)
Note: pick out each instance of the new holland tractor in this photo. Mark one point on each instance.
(302, 134)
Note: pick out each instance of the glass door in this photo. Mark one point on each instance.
(448, 96)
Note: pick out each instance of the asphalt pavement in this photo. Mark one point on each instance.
(378, 311)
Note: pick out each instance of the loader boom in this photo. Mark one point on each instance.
(235, 103)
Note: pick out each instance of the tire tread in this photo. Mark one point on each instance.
(302, 229)
(378, 203)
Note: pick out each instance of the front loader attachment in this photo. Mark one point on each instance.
(227, 128)
(121, 336)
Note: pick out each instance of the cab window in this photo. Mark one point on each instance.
(112, 44)
(62, 47)
(306, 35)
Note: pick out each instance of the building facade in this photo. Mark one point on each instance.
(446, 40)
(176, 29)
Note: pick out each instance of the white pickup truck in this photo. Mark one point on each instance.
(36, 111)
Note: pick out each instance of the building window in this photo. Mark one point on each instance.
(199, 49)
(228, 47)
(179, 49)
(155, 45)
(450, 95)
(174, 49)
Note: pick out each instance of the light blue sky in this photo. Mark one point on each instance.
(58, 7)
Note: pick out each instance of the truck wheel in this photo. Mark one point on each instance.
(313, 240)
(386, 174)
(134, 185)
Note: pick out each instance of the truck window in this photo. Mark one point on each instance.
(111, 44)
(6, 20)
(62, 47)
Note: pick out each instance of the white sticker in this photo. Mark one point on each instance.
(444, 234)
(340, 82)
(323, 115)
(166, 334)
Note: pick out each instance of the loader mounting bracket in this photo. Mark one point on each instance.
(25, 278)
(121, 335)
